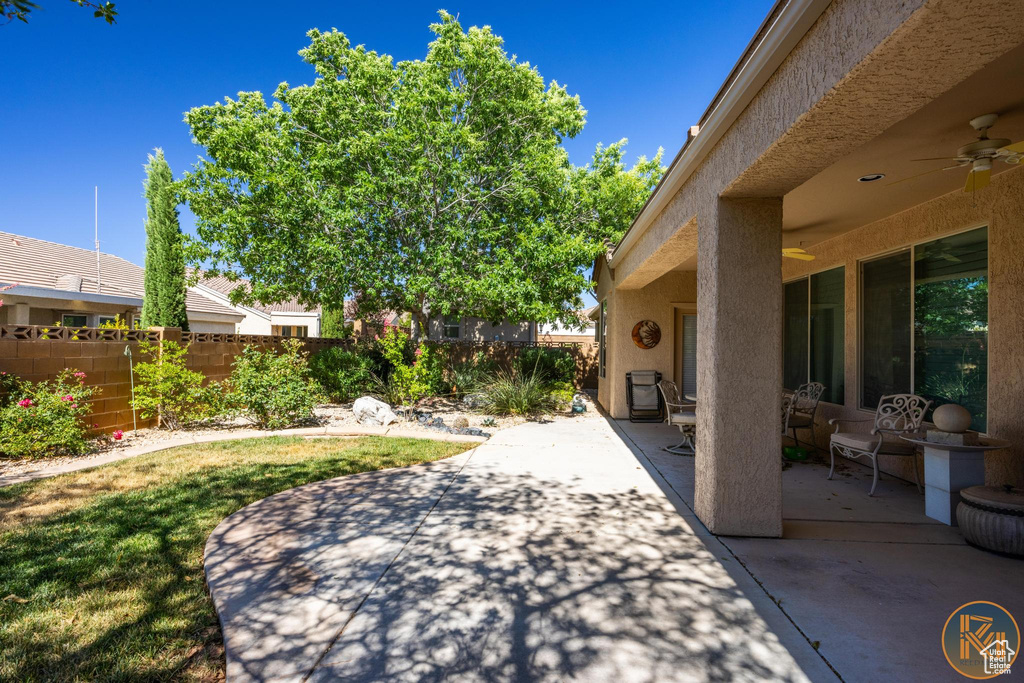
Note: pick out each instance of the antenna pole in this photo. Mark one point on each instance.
(96, 225)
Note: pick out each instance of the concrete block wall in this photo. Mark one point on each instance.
(36, 353)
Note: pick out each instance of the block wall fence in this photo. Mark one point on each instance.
(36, 353)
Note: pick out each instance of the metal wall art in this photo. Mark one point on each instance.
(646, 334)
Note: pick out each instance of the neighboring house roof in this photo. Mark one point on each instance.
(33, 262)
(221, 284)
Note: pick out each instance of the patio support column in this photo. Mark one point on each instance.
(18, 314)
(738, 487)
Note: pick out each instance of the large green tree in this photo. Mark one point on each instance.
(163, 302)
(437, 186)
(21, 9)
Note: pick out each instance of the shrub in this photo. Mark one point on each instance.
(550, 365)
(408, 381)
(516, 393)
(274, 390)
(164, 387)
(47, 418)
(470, 376)
(10, 388)
(342, 374)
(562, 394)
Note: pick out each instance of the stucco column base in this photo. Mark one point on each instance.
(738, 486)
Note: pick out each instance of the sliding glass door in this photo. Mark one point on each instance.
(924, 324)
(813, 333)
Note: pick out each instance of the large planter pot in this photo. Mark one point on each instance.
(992, 518)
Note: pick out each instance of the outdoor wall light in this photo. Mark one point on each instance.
(870, 177)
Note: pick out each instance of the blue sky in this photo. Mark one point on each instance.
(82, 103)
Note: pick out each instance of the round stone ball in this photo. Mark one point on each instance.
(952, 418)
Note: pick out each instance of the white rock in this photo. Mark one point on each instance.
(370, 411)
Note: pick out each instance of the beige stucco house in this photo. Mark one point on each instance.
(814, 142)
(60, 284)
(287, 318)
(471, 329)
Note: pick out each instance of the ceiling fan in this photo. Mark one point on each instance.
(980, 154)
(797, 253)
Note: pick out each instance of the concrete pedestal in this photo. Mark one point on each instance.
(946, 471)
(949, 468)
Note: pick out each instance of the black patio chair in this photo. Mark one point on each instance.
(642, 396)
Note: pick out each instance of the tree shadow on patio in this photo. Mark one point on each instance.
(509, 576)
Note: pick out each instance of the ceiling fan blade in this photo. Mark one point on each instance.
(802, 257)
(977, 180)
(938, 159)
(793, 250)
(1016, 148)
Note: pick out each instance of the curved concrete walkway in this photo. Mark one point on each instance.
(552, 552)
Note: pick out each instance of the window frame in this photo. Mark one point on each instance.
(84, 316)
(446, 327)
(806, 277)
(912, 248)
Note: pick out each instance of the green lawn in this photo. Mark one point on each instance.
(101, 572)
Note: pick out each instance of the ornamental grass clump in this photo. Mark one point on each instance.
(516, 393)
(45, 418)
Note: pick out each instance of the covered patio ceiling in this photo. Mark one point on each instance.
(833, 201)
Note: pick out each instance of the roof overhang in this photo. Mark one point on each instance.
(67, 295)
(786, 24)
(221, 297)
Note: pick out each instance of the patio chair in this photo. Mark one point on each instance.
(679, 414)
(804, 408)
(643, 397)
(896, 415)
(787, 411)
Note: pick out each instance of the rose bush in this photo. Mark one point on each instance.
(46, 418)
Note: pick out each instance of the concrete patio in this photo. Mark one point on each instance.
(552, 552)
(569, 551)
(856, 574)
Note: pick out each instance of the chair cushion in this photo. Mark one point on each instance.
(685, 417)
(867, 442)
(800, 420)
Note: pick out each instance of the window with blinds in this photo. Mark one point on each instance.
(689, 364)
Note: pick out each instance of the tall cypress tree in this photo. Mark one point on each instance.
(164, 290)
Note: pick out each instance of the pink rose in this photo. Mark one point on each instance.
(118, 435)
(25, 403)
(80, 375)
(67, 397)
(419, 351)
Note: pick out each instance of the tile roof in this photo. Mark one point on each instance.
(39, 263)
(226, 286)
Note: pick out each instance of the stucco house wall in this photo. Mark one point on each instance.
(479, 330)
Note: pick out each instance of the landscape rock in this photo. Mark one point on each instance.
(460, 422)
(370, 411)
(473, 400)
